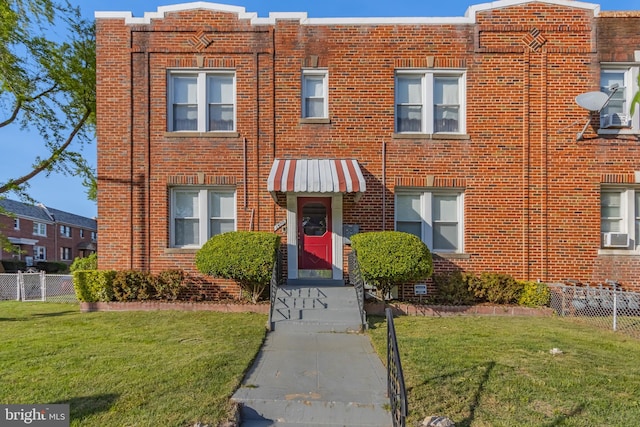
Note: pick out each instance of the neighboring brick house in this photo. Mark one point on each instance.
(460, 130)
(45, 234)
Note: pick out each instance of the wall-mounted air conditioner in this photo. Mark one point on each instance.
(615, 240)
(615, 120)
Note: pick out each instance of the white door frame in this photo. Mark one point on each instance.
(336, 233)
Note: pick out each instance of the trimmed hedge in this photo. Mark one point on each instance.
(247, 257)
(460, 288)
(87, 263)
(94, 285)
(52, 267)
(390, 258)
(127, 285)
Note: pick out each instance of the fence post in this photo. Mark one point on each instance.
(43, 286)
(615, 307)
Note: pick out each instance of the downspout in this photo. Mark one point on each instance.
(525, 169)
(384, 183)
(544, 239)
(131, 164)
(145, 263)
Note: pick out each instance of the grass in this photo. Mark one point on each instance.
(497, 371)
(164, 368)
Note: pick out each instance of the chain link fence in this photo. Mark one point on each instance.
(37, 287)
(603, 306)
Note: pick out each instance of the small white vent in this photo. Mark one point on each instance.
(614, 120)
(615, 240)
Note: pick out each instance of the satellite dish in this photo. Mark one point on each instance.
(592, 101)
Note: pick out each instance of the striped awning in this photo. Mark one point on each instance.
(316, 176)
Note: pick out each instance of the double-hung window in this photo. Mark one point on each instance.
(16, 223)
(40, 253)
(40, 229)
(430, 102)
(65, 254)
(202, 101)
(315, 104)
(197, 214)
(436, 217)
(65, 231)
(620, 82)
(620, 218)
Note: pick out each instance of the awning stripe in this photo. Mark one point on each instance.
(316, 176)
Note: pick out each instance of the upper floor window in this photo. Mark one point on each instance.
(65, 231)
(620, 83)
(315, 104)
(620, 217)
(40, 229)
(94, 235)
(436, 217)
(430, 102)
(197, 214)
(16, 223)
(81, 233)
(203, 101)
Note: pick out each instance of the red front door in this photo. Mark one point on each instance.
(314, 233)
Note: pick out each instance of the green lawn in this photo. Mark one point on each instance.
(164, 368)
(498, 371)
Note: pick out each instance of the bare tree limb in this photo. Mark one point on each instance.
(48, 162)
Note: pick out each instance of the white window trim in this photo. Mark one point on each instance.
(202, 100)
(628, 225)
(65, 231)
(427, 76)
(203, 214)
(16, 223)
(631, 71)
(36, 249)
(426, 207)
(41, 226)
(64, 252)
(325, 90)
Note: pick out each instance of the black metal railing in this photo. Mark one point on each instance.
(276, 279)
(356, 279)
(395, 378)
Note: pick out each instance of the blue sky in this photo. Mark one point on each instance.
(67, 193)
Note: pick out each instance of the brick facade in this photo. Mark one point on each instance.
(531, 191)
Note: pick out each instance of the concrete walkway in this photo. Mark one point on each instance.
(307, 374)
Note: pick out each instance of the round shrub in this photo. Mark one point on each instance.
(390, 258)
(248, 257)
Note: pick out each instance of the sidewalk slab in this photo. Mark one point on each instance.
(315, 378)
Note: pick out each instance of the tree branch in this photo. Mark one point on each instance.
(19, 103)
(48, 162)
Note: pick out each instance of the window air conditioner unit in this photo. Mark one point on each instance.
(615, 120)
(615, 240)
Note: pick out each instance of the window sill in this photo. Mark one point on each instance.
(315, 121)
(201, 134)
(451, 255)
(625, 131)
(181, 250)
(618, 252)
(454, 136)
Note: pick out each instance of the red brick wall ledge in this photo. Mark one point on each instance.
(378, 309)
(88, 307)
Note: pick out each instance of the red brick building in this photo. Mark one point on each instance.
(464, 131)
(43, 234)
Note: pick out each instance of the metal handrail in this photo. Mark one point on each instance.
(356, 279)
(276, 278)
(395, 377)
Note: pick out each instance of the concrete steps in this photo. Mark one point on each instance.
(312, 370)
(316, 308)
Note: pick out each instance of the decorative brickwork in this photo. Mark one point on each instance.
(531, 191)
